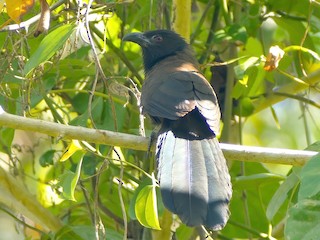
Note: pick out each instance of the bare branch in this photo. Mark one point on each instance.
(291, 88)
(232, 152)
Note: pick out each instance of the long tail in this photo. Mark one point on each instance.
(194, 180)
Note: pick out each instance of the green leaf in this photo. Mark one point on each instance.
(49, 46)
(244, 107)
(304, 217)
(75, 233)
(314, 146)
(295, 29)
(242, 68)
(237, 33)
(281, 195)
(184, 232)
(146, 207)
(310, 179)
(46, 159)
(145, 182)
(252, 181)
(69, 180)
(275, 117)
(6, 137)
(303, 221)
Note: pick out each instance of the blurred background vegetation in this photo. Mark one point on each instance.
(81, 73)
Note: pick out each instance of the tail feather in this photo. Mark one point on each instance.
(194, 180)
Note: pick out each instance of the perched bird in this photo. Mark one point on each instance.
(193, 175)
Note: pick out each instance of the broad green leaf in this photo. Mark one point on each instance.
(69, 180)
(145, 182)
(244, 107)
(252, 181)
(303, 221)
(295, 29)
(253, 48)
(146, 207)
(304, 217)
(49, 46)
(310, 184)
(281, 195)
(75, 233)
(184, 232)
(6, 137)
(242, 68)
(46, 159)
(75, 69)
(250, 77)
(237, 33)
(256, 86)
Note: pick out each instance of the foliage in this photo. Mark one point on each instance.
(82, 74)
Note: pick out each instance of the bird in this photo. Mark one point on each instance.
(193, 175)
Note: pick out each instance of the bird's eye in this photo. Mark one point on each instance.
(157, 38)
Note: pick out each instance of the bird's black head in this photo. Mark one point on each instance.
(157, 45)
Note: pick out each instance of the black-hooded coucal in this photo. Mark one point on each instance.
(194, 179)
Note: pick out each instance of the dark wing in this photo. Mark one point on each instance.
(173, 95)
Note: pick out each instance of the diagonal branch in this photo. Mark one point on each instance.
(291, 88)
(231, 151)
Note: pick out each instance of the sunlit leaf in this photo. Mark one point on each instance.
(143, 184)
(1, 4)
(69, 180)
(242, 68)
(184, 232)
(73, 147)
(17, 8)
(146, 207)
(49, 46)
(6, 137)
(251, 77)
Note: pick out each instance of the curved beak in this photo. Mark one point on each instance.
(138, 38)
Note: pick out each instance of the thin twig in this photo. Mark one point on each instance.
(123, 207)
